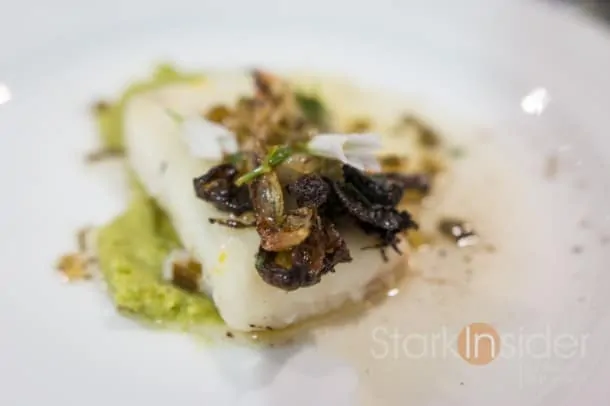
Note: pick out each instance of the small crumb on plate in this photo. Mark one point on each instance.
(104, 154)
(74, 267)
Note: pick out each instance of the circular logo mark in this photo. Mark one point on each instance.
(478, 343)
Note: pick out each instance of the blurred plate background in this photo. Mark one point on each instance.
(475, 60)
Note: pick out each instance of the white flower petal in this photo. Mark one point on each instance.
(362, 144)
(228, 145)
(356, 162)
(328, 145)
(364, 140)
(357, 150)
(207, 140)
(360, 151)
(365, 163)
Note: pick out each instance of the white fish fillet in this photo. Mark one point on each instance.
(162, 161)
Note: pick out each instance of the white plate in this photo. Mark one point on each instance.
(474, 60)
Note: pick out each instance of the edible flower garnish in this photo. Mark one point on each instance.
(357, 150)
(208, 140)
(205, 139)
